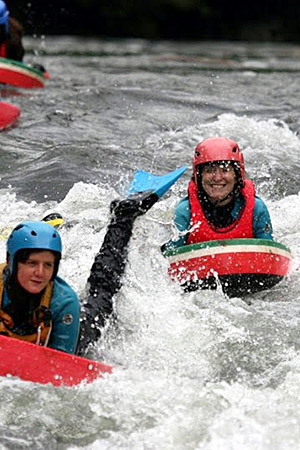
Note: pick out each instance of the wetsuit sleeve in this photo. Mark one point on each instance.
(65, 309)
(105, 278)
(262, 225)
(182, 218)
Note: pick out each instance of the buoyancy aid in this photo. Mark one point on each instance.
(202, 230)
(42, 321)
(3, 50)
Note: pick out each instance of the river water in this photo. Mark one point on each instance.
(192, 371)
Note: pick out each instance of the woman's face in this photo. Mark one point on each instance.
(218, 180)
(35, 273)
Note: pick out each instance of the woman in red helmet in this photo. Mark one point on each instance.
(221, 202)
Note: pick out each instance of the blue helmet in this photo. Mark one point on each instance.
(33, 235)
(4, 16)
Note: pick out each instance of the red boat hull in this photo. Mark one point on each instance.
(20, 75)
(9, 114)
(239, 264)
(31, 362)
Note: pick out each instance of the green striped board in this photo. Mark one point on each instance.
(241, 266)
(21, 75)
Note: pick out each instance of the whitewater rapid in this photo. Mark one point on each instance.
(191, 370)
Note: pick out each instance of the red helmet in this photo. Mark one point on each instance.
(218, 149)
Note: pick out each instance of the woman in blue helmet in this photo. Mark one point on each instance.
(11, 33)
(38, 306)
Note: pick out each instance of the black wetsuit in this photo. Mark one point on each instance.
(105, 278)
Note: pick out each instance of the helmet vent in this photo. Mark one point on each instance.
(234, 150)
(33, 233)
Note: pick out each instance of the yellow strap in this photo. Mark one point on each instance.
(56, 222)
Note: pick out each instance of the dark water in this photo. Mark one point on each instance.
(107, 102)
(192, 371)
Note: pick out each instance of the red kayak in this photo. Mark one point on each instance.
(21, 75)
(44, 365)
(8, 115)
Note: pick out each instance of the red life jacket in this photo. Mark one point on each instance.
(3, 51)
(202, 230)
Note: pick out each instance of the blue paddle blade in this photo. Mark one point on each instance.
(158, 184)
